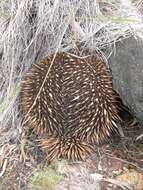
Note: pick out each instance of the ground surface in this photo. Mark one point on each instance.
(115, 166)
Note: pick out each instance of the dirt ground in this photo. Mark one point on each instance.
(115, 166)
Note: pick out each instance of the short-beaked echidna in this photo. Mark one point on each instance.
(69, 100)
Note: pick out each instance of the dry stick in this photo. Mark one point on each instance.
(41, 86)
(52, 62)
(4, 167)
(100, 177)
(120, 159)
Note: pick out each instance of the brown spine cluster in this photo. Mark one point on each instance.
(69, 100)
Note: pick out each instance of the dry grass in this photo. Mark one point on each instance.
(32, 29)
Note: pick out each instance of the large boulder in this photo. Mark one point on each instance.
(126, 63)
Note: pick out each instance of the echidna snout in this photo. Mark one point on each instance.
(73, 107)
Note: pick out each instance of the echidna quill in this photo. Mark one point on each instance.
(68, 99)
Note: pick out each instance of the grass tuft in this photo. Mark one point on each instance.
(45, 178)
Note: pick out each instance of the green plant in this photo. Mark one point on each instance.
(45, 178)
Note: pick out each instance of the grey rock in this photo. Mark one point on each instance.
(126, 63)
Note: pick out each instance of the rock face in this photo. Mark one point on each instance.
(126, 64)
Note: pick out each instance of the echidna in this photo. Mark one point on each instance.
(69, 100)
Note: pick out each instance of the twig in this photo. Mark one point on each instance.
(120, 159)
(99, 177)
(3, 167)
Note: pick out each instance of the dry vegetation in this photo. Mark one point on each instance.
(30, 30)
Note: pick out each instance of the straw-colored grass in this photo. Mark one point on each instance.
(33, 29)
